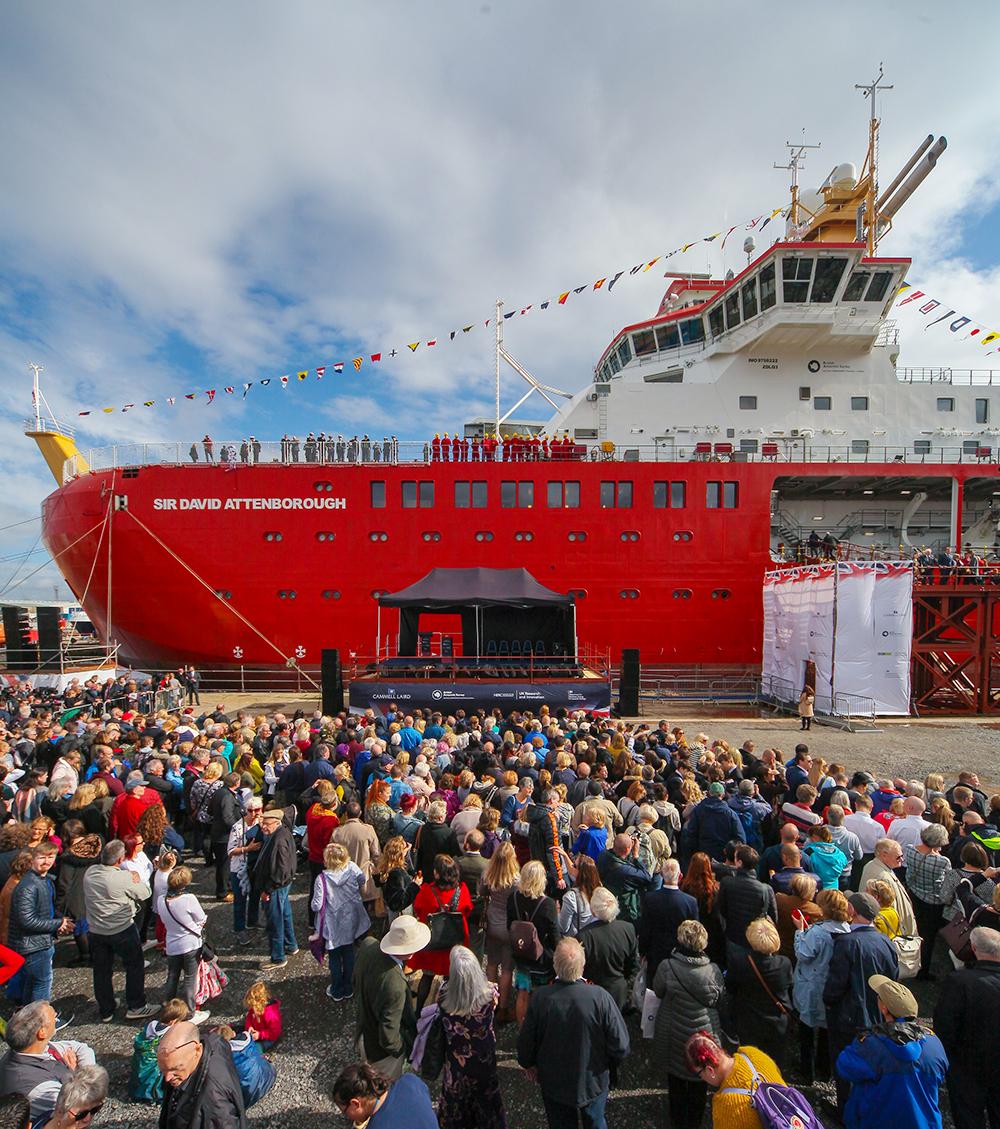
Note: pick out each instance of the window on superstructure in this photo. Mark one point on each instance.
(470, 495)
(768, 290)
(859, 446)
(970, 446)
(716, 323)
(829, 272)
(667, 336)
(517, 495)
(732, 308)
(945, 403)
(795, 277)
(669, 495)
(823, 403)
(749, 446)
(625, 351)
(644, 342)
(749, 293)
(722, 495)
(425, 495)
(692, 331)
(982, 411)
(378, 495)
(856, 285)
(616, 495)
(805, 392)
(614, 363)
(880, 286)
(730, 495)
(563, 495)
(921, 446)
(409, 495)
(748, 403)
(859, 403)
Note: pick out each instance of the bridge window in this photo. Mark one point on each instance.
(856, 285)
(563, 495)
(982, 411)
(616, 495)
(667, 336)
(749, 293)
(716, 325)
(625, 351)
(692, 331)
(796, 275)
(470, 495)
(946, 404)
(733, 310)
(614, 363)
(823, 403)
(722, 495)
(859, 403)
(669, 495)
(768, 295)
(829, 272)
(378, 495)
(644, 342)
(879, 287)
(748, 403)
(517, 495)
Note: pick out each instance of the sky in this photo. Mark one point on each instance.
(199, 195)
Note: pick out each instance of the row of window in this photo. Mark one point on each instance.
(861, 404)
(576, 593)
(722, 498)
(804, 279)
(614, 495)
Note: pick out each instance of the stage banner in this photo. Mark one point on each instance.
(892, 628)
(575, 695)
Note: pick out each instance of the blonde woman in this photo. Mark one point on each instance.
(499, 882)
(393, 877)
(341, 917)
(529, 903)
(759, 983)
(468, 818)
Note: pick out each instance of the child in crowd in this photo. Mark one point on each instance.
(256, 1074)
(145, 1082)
(165, 863)
(263, 1021)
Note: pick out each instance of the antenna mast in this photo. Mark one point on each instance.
(871, 90)
(36, 394)
(796, 155)
(543, 390)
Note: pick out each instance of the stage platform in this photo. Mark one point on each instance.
(452, 689)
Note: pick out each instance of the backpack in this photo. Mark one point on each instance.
(446, 924)
(777, 1106)
(751, 827)
(524, 940)
(145, 1082)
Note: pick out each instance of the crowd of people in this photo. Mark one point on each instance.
(740, 918)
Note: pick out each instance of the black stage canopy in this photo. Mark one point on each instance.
(499, 607)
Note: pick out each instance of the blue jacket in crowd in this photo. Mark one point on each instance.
(712, 825)
(895, 1071)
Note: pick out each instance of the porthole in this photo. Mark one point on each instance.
(629, 593)
(323, 487)
(721, 593)
(683, 535)
(287, 594)
(629, 535)
(223, 593)
(682, 593)
(431, 535)
(577, 535)
(325, 535)
(524, 535)
(378, 535)
(378, 593)
(272, 535)
(484, 535)
(331, 594)
(578, 593)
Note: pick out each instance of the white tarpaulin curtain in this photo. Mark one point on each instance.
(854, 620)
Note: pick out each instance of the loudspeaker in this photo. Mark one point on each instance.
(48, 638)
(21, 654)
(628, 684)
(331, 681)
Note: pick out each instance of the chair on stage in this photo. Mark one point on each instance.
(539, 647)
(515, 648)
(491, 647)
(503, 648)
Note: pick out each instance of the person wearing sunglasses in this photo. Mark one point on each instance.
(81, 1099)
(202, 1087)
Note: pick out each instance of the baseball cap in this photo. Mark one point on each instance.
(865, 905)
(900, 1001)
(716, 788)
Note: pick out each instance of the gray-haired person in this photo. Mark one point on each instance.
(81, 1099)
(112, 897)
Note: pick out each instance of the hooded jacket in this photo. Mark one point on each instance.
(337, 895)
(710, 827)
(895, 1071)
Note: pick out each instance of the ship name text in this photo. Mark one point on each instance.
(249, 503)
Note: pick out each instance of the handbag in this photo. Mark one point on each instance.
(212, 981)
(447, 926)
(786, 1011)
(524, 940)
(908, 955)
(317, 942)
(957, 934)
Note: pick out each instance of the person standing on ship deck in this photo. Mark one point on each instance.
(207, 444)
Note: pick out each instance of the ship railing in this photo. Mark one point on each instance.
(779, 449)
(47, 423)
(961, 376)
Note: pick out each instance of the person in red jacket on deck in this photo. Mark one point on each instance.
(436, 448)
(128, 807)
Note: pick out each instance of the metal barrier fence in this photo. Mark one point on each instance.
(839, 708)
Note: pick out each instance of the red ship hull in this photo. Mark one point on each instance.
(683, 585)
